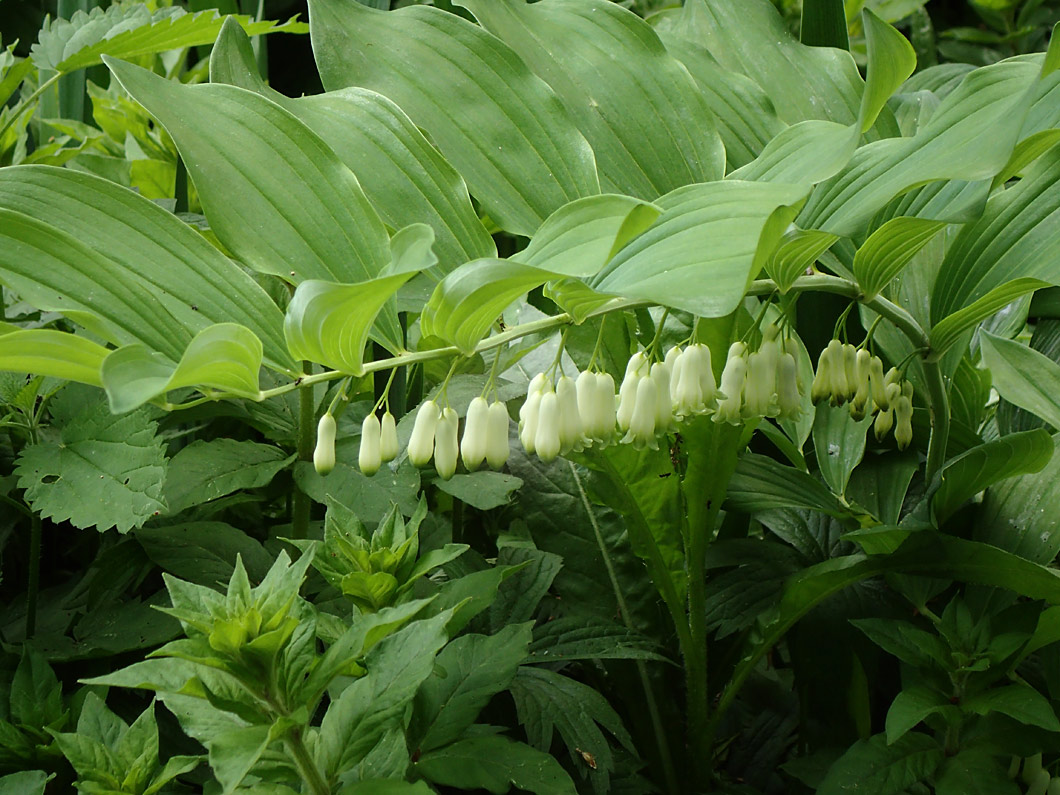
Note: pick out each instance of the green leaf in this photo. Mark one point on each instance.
(225, 357)
(35, 693)
(839, 441)
(373, 495)
(805, 153)
(974, 771)
(950, 329)
(760, 483)
(26, 782)
(910, 707)
(891, 60)
(403, 176)
(1018, 701)
(483, 490)
(749, 37)
(1026, 152)
(501, 127)
(573, 638)
(1022, 376)
(889, 249)
(52, 353)
(949, 146)
(235, 753)
(1009, 241)
(469, 672)
(54, 271)
(797, 251)
(89, 757)
(330, 323)
(972, 471)
(203, 552)
(579, 238)
(195, 282)
(521, 594)
(546, 700)
(908, 643)
(377, 702)
(709, 242)
(470, 298)
(874, 766)
(1016, 515)
(237, 143)
(617, 81)
(495, 763)
(106, 472)
(127, 31)
(206, 470)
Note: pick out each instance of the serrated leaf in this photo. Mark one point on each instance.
(495, 763)
(206, 470)
(52, 353)
(225, 357)
(126, 30)
(470, 671)
(187, 275)
(910, 707)
(1018, 701)
(950, 329)
(889, 249)
(709, 242)
(105, 472)
(614, 76)
(237, 143)
(971, 472)
(874, 766)
(573, 638)
(403, 176)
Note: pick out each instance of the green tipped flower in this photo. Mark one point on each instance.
(789, 400)
(324, 452)
(547, 434)
(732, 384)
(388, 440)
(421, 443)
(571, 427)
(369, 458)
(642, 422)
(446, 447)
(474, 440)
(497, 447)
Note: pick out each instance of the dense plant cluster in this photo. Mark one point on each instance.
(558, 397)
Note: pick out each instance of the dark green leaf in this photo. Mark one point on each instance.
(760, 483)
(1018, 701)
(203, 552)
(910, 707)
(495, 763)
(204, 471)
(1022, 375)
(874, 766)
(974, 771)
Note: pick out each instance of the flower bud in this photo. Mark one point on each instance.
(789, 401)
(585, 388)
(636, 363)
(1032, 766)
(903, 422)
(497, 447)
(664, 410)
(546, 438)
(892, 392)
(821, 388)
(446, 448)
(388, 440)
(877, 387)
(642, 423)
(883, 424)
(528, 418)
(421, 443)
(369, 458)
(732, 384)
(324, 453)
(862, 365)
(605, 408)
(1040, 783)
(473, 442)
(539, 383)
(1054, 787)
(571, 428)
(672, 356)
(850, 370)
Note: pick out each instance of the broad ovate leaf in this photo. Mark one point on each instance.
(225, 357)
(889, 249)
(502, 127)
(1020, 374)
(643, 115)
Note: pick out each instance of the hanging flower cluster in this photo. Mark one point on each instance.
(852, 376)
(435, 434)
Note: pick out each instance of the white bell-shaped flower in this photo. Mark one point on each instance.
(369, 458)
(732, 385)
(571, 430)
(605, 409)
(636, 369)
(324, 452)
(421, 443)
(388, 439)
(789, 400)
(473, 441)
(642, 424)
(547, 434)
(664, 410)
(446, 446)
(497, 446)
(903, 421)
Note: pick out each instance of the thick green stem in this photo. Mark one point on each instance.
(940, 418)
(17, 112)
(33, 575)
(661, 741)
(302, 504)
(307, 768)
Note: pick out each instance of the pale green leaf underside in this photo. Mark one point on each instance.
(224, 357)
(52, 353)
(500, 126)
(797, 251)
(889, 249)
(1022, 376)
(948, 330)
